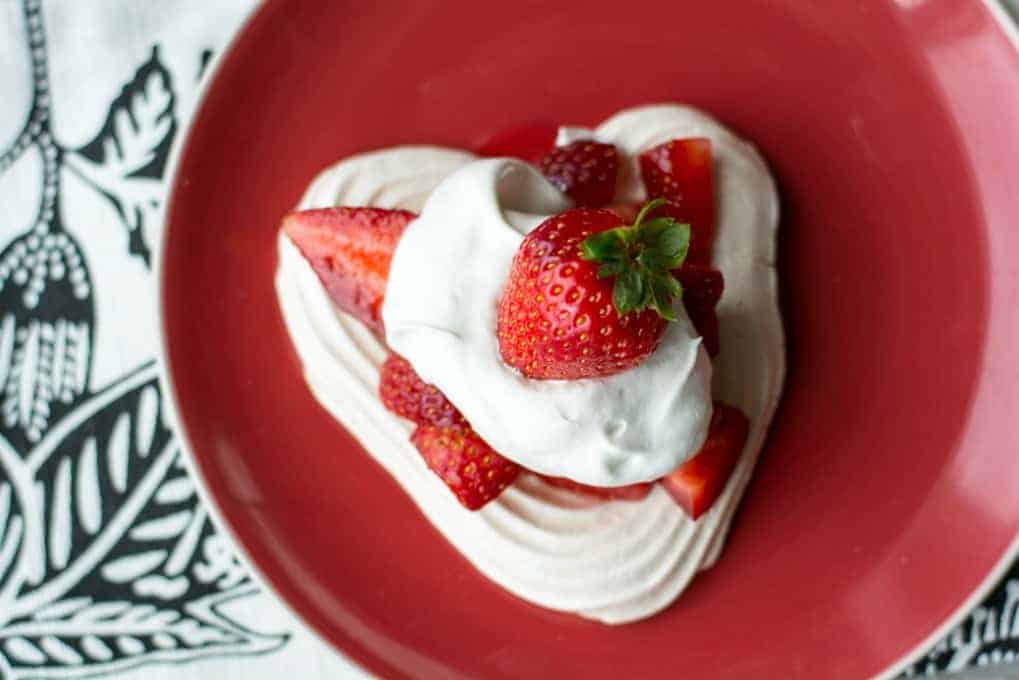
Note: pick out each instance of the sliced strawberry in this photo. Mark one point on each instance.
(630, 492)
(702, 289)
(681, 172)
(698, 482)
(404, 393)
(585, 171)
(470, 468)
(350, 249)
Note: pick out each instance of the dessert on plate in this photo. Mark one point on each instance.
(568, 362)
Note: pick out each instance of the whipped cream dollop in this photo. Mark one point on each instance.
(446, 278)
(615, 561)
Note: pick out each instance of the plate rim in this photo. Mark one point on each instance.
(364, 661)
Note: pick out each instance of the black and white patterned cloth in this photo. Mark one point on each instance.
(109, 564)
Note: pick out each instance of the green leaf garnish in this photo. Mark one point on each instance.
(641, 257)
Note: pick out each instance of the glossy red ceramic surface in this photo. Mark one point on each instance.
(887, 492)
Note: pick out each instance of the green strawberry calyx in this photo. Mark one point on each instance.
(641, 257)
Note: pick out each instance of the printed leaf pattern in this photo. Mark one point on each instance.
(98, 477)
(76, 637)
(12, 521)
(107, 558)
(119, 564)
(990, 635)
(127, 158)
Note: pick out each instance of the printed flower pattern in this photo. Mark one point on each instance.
(107, 557)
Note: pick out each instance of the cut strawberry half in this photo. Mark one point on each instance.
(702, 289)
(470, 468)
(350, 250)
(630, 492)
(680, 171)
(697, 483)
(403, 392)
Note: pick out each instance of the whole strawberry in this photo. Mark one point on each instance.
(585, 171)
(403, 392)
(588, 296)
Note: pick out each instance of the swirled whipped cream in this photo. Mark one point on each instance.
(611, 561)
(445, 281)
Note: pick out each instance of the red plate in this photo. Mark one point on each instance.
(886, 498)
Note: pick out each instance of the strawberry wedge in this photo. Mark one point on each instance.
(403, 392)
(680, 171)
(350, 250)
(697, 483)
(469, 467)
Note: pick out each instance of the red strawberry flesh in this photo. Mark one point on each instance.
(697, 483)
(680, 171)
(403, 392)
(350, 249)
(469, 467)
